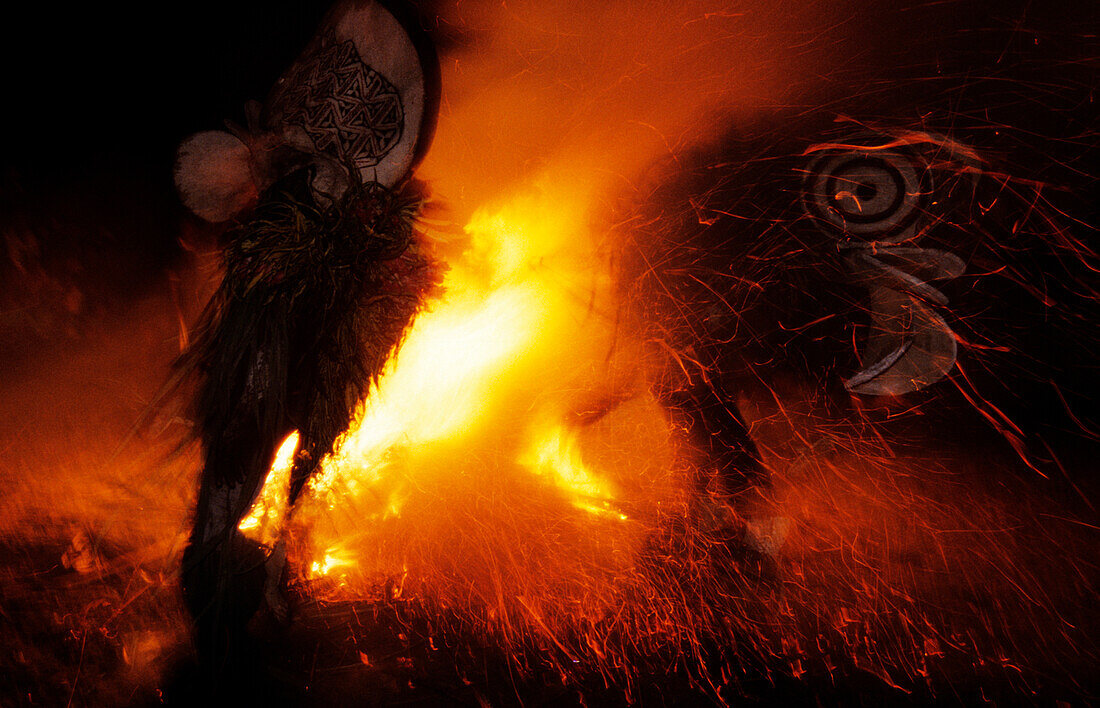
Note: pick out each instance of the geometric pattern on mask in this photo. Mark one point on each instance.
(348, 109)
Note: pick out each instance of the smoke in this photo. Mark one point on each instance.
(593, 92)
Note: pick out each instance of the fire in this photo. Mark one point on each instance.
(332, 559)
(518, 401)
(557, 454)
(512, 478)
(265, 519)
(482, 399)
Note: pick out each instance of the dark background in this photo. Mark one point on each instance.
(97, 96)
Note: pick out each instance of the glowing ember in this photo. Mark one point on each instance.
(510, 517)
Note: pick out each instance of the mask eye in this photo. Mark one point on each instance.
(876, 202)
(868, 194)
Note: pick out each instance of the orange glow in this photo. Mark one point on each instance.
(478, 400)
(265, 519)
(556, 455)
(471, 441)
(471, 445)
(512, 462)
(329, 561)
(513, 481)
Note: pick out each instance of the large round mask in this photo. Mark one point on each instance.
(358, 106)
(364, 93)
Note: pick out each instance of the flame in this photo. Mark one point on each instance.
(558, 454)
(265, 519)
(511, 459)
(496, 306)
(492, 369)
(331, 560)
(480, 401)
(487, 382)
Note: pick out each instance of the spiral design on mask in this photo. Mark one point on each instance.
(863, 195)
